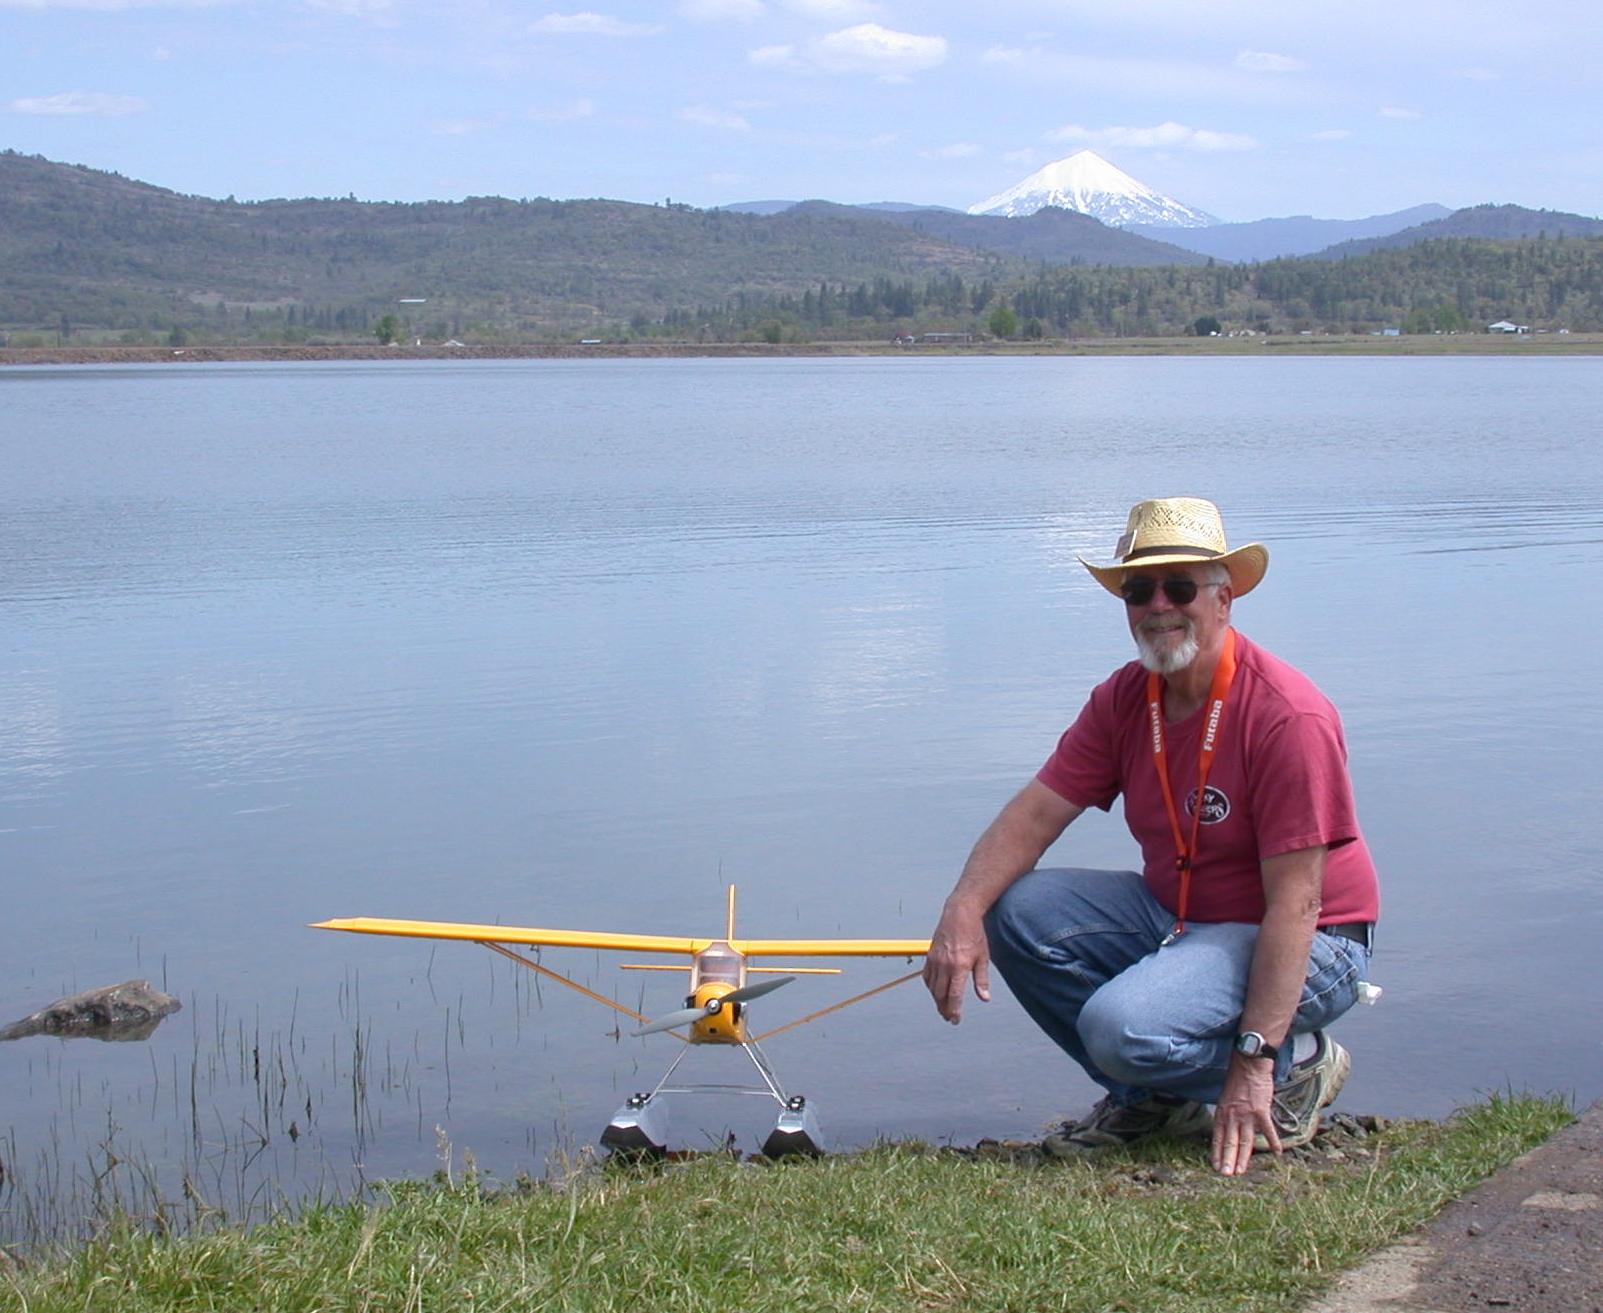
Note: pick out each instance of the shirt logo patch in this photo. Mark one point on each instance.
(1215, 805)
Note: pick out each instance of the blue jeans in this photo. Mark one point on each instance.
(1080, 950)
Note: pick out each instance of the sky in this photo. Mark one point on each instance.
(1246, 109)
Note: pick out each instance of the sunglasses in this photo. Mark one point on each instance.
(1139, 590)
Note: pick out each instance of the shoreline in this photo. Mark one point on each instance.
(1365, 1225)
(1479, 344)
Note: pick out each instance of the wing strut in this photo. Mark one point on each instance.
(563, 980)
(856, 998)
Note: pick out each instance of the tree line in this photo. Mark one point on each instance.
(1453, 285)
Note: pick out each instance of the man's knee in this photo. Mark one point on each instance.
(1128, 1048)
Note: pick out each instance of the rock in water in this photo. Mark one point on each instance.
(131, 1010)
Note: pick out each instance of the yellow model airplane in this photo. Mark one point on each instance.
(714, 1010)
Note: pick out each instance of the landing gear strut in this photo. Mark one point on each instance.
(640, 1127)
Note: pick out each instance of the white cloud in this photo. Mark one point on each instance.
(1392, 112)
(870, 48)
(579, 109)
(707, 117)
(590, 24)
(1016, 55)
(709, 11)
(1261, 61)
(1166, 136)
(774, 57)
(96, 103)
(835, 11)
(1332, 134)
(866, 48)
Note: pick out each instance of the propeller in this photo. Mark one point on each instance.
(684, 1016)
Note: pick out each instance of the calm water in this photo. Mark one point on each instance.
(577, 643)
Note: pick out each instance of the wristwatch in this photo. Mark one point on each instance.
(1250, 1044)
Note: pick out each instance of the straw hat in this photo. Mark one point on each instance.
(1180, 531)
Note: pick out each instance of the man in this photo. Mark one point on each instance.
(1209, 977)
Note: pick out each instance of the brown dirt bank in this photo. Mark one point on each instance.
(1569, 344)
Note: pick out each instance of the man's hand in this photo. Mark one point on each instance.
(958, 952)
(1291, 887)
(1245, 1109)
(1012, 844)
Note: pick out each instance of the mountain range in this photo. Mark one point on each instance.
(1048, 233)
(1086, 184)
(1301, 234)
(86, 250)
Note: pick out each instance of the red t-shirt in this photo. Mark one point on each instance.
(1278, 783)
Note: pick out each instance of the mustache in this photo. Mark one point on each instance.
(1163, 625)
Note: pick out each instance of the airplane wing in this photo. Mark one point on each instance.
(831, 947)
(510, 934)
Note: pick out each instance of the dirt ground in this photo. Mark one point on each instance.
(1529, 1240)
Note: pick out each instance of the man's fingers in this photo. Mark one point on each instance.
(1234, 1133)
(946, 988)
(1232, 1148)
(1224, 1146)
(947, 974)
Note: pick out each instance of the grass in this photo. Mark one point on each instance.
(898, 1227)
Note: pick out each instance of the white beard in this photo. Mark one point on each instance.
(1167, 662)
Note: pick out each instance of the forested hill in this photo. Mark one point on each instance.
(1052, 235)
(1499, 223)
(1448, 286)
(94, 248)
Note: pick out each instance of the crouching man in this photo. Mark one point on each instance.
(1210, 976)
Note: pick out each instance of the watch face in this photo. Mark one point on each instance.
(1250, 1044)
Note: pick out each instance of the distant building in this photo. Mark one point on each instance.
(1503, 326)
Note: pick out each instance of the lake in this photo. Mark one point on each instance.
(579, 643)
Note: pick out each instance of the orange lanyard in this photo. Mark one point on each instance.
(1185, 852)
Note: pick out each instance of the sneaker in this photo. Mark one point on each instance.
(1311, 1084)
(1111, 1125)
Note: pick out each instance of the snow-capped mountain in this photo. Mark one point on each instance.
(1088, 183)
